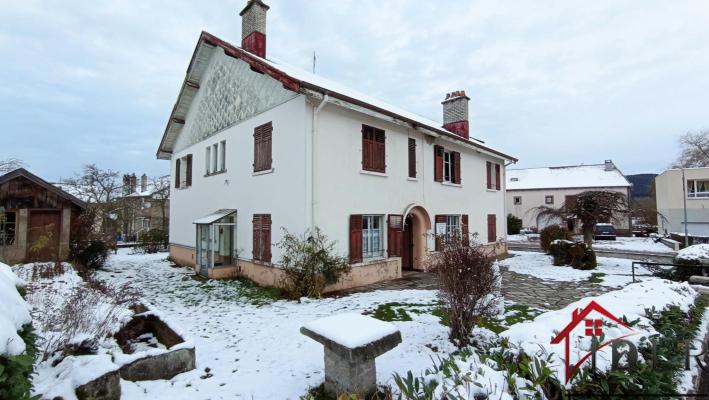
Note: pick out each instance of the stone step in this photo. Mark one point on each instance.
(702, 280)
(701, 289)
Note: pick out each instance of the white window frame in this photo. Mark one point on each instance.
(222, 156)
(447, 166)
(452, 225)
(493, 176)
(547, 199)
(208, 160)
(215, 157)
(371, 237)
(693, 192)
(183, 172)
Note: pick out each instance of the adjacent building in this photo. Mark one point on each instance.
(142, 206)
(672, 189)
(528, 189)
(36, 218)
(258, 147)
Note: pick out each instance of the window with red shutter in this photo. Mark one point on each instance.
(355, 238)
(489, 174)
(261, 247)
(177, 173)
(491, 228)
(395, 232)
(373, 149)
(412, 158)
(438, 163)
(464, 229)
(498, 186)
(262, 147)
(439, 240)
(188, 170)
(456, 167)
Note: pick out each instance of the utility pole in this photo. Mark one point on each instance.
(684, 198)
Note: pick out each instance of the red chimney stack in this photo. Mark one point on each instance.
(253, 27)
(455, 113)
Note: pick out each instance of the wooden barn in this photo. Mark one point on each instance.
(36, 218)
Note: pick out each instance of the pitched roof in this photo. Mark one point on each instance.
(296, 80)
(575, 176)
(21, 172)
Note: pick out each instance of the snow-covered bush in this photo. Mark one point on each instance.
(17, 351)
(552, 233)
(468, 285)
(310, 263)
(690, 259)
(575, 254)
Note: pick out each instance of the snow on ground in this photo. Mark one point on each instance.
(14, 312)
(695, 252)
(616, 271)
(257, 351)
(639, 244)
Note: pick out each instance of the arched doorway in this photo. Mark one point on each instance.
(417, 224)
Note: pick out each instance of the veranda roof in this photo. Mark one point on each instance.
(214, 217)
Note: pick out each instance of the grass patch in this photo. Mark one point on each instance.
(396, 311)
(596, 277)
(318, 393)
(514, 314)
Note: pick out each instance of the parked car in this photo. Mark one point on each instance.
(604, 232)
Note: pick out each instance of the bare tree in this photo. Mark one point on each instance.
(694, 150)
(10, 164)
(161, 193)
(100, 188)
(591, 207)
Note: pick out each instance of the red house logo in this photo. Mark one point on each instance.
(593, 327)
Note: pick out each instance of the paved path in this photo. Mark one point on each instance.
(519, 288)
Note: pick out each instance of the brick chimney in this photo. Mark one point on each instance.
(609, 166)
(133, 181)
(126, 184)
(143, 183)
(253, 27)
(455, 113)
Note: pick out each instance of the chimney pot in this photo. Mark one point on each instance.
(143, 183)
(253, 27)
(455, 113)
(609, 166)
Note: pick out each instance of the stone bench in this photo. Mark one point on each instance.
(352, 342)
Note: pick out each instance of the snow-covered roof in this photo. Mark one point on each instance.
(575, 176)
(298, 80)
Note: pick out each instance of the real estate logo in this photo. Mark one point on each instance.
(591, 320)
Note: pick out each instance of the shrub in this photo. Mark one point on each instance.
(576, 254)
(153, 241)
(90, 254)
(514, 225)
(469, 285)
(552, 233)
(309, 263)
(16, 371)
(687, 267)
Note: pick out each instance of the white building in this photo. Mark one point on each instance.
(528, 189)
(257, 146)
(670, 188)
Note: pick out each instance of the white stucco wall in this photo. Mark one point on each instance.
(343, 189)
(280, 193)
(535, 198)
(670, 204)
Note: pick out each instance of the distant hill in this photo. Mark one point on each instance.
(641, 184)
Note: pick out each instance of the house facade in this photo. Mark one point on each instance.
(36, 218)
(143, 205)
(671, 188)
(258, 147)
(528, 189)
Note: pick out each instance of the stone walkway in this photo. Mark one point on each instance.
(519, 288)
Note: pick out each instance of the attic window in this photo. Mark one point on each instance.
(514, 179)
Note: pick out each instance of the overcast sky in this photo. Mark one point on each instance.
(550, 82)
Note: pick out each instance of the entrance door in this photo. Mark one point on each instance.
(407, 252)
(43, 235)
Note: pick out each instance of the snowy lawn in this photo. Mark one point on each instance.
(635, 244)
(249, 345)
(612, 272)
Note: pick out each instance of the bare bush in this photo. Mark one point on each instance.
(469, 285)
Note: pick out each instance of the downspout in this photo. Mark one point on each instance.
(313, 188)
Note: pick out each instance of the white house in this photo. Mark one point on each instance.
(528, 189)
(257, 146)
(670, 188)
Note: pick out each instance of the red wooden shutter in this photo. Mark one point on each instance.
(489, 174)
(439, 240)
(491, 228)
(256, 233)
(395, 232)
(497, 177)
(379, 151)
(412, 158)
(367, 148)
(262, 147)
(355, 238)
(188, 177)
(456, 167)
(438, 163)
(177, 173)
(464, 229)
(266, 237)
